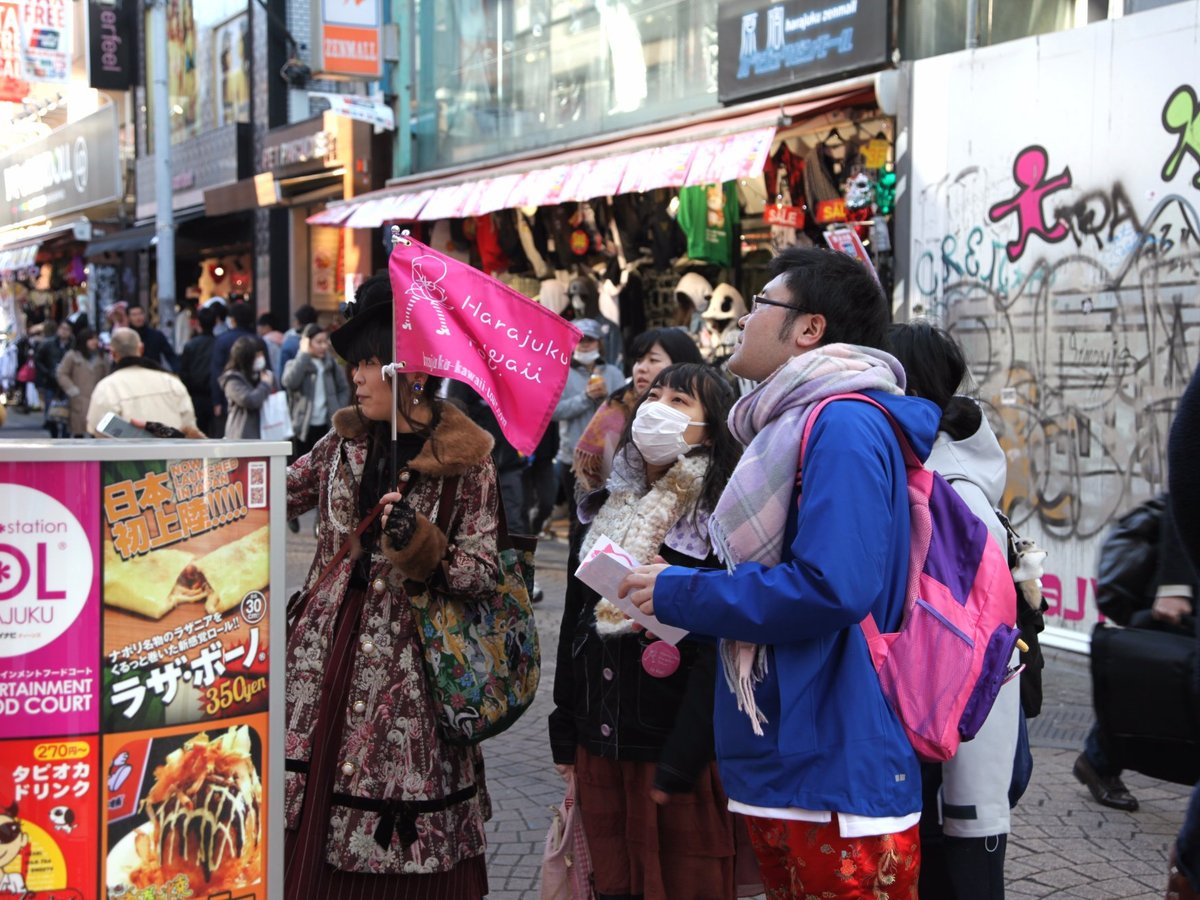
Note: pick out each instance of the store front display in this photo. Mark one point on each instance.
(714, 199)
(139, 691)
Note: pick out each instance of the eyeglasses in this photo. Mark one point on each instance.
(9, 832)
(759, 300)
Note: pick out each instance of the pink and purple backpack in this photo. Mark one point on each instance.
(942, 670)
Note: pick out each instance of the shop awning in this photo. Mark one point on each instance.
(675, 156)
(19, 248)
(139, 237)
(18, 260)
(120, 241)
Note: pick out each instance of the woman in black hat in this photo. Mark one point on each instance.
(377, 801)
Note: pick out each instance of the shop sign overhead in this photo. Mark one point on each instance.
(764, 47)
(71, 169)
(347, 38)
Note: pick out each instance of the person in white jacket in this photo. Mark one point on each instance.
(965, 822)
(139, 389)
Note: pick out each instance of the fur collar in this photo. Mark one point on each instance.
(459, 442)
(639, 520)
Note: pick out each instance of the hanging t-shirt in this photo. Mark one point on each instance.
(709, 215)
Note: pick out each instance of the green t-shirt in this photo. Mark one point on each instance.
(708, 215)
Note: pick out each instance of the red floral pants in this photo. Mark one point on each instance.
(806, 859)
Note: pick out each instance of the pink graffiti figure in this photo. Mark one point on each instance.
(1029, 170)
(424, 287)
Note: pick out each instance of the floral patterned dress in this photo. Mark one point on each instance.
(389, 751)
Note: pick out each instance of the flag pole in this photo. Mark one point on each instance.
(392, 462)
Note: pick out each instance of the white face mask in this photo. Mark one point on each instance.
(259, 364)
(658, 433)
(586, 358)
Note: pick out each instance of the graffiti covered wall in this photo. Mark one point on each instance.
(1055, 228)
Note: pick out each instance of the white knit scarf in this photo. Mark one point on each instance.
(638, 518)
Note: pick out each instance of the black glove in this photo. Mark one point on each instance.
(401, 524)
(159, 430)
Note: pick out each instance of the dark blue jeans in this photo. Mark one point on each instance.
(1094, 750)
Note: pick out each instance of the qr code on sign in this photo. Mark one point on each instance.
(256, 482)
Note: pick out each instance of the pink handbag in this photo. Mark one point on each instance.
(566, 862)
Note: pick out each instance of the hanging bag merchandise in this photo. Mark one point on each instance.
(566, 861)
(274, 419)
(481, 655)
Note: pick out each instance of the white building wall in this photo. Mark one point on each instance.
(1076, 294)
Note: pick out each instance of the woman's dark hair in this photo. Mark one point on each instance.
(81, 339)
(935, 369)
(677, 343)
(838, 287)
(312, 330)
(241, 357)
(376, 343)
(716, 397)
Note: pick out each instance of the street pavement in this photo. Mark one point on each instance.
(1062, 844)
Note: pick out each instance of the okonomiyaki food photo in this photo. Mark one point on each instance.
(203, 815)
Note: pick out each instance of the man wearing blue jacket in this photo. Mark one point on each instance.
(809, 749)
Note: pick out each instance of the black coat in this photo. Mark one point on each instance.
(607, 703)
(46, 358)
(196, 369)
(155, 346)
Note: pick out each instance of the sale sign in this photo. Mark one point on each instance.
(49, 600)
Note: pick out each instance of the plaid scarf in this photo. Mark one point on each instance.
(595, 447)
(751, 516)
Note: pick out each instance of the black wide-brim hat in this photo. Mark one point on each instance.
(370, 309)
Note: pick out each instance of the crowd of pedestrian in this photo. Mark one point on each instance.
(767, 525)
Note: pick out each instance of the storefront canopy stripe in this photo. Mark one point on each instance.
(370, 213)
(18, 260)
(725, 158)
(686, 155)
(334, 215)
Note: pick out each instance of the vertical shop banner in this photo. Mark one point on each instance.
(185, 812)
(13, 86)
(49, 815)
(110, 44)
(186, 573)
(232, 63)
(49, 602)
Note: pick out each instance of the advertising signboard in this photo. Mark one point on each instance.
(186, 590)
(347, 38)
(134, 656)
(70, 169)
(765, 46)
(51, 806)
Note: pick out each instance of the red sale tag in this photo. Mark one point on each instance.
(788, 216)
(831, 211)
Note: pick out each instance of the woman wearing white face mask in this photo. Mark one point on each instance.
(633, 716)
(246, 382)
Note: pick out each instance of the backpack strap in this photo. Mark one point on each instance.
(911, 460)
(868, 624)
